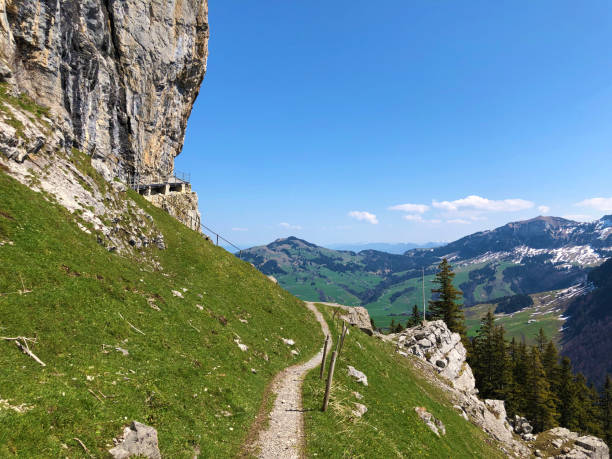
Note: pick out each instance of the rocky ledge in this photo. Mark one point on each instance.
(440, 352)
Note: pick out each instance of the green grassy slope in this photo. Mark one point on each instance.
(390, 428)
(184, 374)
(545, 313)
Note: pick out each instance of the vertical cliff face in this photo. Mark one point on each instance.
(119, 76)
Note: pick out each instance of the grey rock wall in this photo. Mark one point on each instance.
(119, 76)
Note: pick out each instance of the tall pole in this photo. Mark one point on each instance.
(424, 316)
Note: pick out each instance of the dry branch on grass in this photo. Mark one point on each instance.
(139, 331)
(22, 344)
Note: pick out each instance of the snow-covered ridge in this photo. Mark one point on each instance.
(582, 255)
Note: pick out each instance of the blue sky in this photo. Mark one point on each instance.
(401, 121)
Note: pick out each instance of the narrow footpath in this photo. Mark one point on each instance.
(284, 437)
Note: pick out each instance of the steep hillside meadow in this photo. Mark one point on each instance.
(152, 336)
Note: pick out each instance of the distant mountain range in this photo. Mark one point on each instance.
(541, 256)
(537, 255)
(394, 248)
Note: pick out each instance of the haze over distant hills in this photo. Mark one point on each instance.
(548, 258)
(537, 255)
(397, 248)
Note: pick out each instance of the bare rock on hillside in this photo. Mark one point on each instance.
(137, 440)
(430, 421)
(575, 447)
(120, 77)
(360, 410)
(356, 316)
(359, 376)
(436, 344)
(442, 353)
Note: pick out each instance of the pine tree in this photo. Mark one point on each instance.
(550, 360)
(503, 370)
(587, 409)
(540, 409)
(566, 393)
(517, 396)
(415, 318)
(392, 326)
(399, 328)
(606, 408)
(447, 306)
(541, 341)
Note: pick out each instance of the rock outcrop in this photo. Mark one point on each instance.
(119, 77)
(137, 440)
(435, 343)
(102, 83)
(440, 352)
(445, 355)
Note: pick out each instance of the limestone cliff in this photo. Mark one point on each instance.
(112, 79)
(119, 76)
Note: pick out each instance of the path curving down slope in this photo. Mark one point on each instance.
(285, 434)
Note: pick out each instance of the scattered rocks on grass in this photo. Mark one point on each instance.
(177, 294)
(360, 410)
(243, 347)
(137, 440)
(358, 375)
(430, 421)
(288, 342)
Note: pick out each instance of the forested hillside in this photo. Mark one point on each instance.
(587, 338)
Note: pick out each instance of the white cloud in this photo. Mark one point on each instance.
(418, 208)
(543, 209)
(484, 204)
(580, 217)
(601, 204)
(240, 229)
(418, 218)
(290, 226)
(459, 221)
(363, 216)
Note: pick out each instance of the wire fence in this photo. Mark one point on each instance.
(206, 229)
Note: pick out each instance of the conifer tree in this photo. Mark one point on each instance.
(541, 342)
(540, 409)
(550, 360)
(517, 397)
(415, 318)
(606, 408)
(587, 407)
(392, 326)
(447, 306)
(566, 393)
(503, 371)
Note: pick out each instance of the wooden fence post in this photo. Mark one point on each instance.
(323, 359)
(344, 331)
(330, 377)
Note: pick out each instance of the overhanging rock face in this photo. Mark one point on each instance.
(119, 76)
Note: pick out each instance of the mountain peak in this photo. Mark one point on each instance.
(553, 221)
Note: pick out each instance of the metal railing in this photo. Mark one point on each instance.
(206, 229)
(138, 181)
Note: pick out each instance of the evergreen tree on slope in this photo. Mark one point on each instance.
(446, 306)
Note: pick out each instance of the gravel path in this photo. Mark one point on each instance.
(285, 434)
